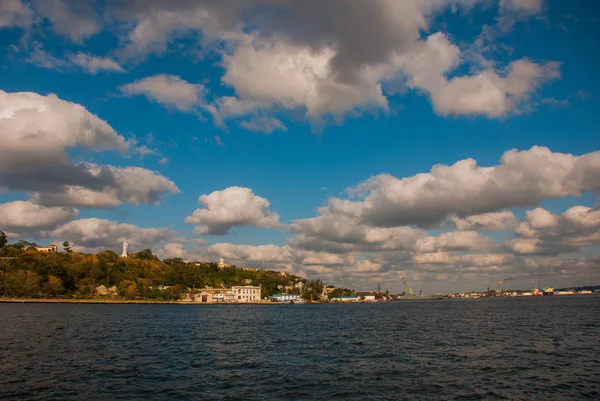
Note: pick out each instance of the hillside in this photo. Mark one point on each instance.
(31, 273)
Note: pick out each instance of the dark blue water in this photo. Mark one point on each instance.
(528, 348)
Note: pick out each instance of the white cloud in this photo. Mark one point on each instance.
(98, 234)
(133, 185)
(75, 20)
(308, 55)
(494, 221)
(470, 260)
(37, 130)
(263, 124)
(37, 133)
(173, 250)
(527, 6)
(455, 241)
(545, 233)
(490, 94)
(233, 206)
(291, 75)
(20, 215)
(522, 179)
(340, 233)
(15, 13)
(277, 62)
(168, 90)
(41, 58)
(92, 64)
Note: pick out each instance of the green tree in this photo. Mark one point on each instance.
(3, 239)
(67, 247)
(53, 285)
(146, 254)
(129, 289)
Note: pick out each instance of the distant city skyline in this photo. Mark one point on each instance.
(454, 143)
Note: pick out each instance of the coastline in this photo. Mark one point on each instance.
(120, 301)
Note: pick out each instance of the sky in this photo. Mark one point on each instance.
(452, 142)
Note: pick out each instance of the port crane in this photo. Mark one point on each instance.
(407, 289)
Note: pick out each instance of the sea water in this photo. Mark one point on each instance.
(511, 348)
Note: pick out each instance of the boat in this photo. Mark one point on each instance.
(548, 291)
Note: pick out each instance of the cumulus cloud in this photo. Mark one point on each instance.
(173, 250)
(455, 241)
(470, 260)
(523, 178)
(37, 133)
(233, 206)
(492, 95)
(342, 234)
(133, 185)
(37, 130)
(545, 233)
(494, 221)
(168, 90)
(76, 20)
(332, 58)
(25, 216)
(95, 234)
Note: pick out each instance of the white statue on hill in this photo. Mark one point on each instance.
(125, 245)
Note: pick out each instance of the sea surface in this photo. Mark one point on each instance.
(518, 349)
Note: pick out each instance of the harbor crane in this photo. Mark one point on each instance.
(407, 289)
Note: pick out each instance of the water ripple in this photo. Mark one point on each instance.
(462, 349)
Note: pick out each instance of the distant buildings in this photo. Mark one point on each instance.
(49, 248)
(222, 264)
(347, 298)
(236, 294)
(246, 293)
(284, 297)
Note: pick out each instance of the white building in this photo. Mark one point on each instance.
(222, 264)
(235, 294)
(49, 248)
(246, 293)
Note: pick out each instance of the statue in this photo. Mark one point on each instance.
(125, 245)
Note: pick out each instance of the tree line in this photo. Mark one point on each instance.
(27, 272)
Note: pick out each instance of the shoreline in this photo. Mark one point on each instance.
(121, 301)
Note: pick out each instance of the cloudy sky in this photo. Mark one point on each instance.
(454, 142)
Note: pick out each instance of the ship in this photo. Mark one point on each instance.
(408, 294)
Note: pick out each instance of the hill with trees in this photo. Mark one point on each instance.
(27, 272)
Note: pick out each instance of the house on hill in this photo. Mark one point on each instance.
(49, 248)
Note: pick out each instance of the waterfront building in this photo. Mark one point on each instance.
(347, 298)
(284, 297)
(246, 293)
(49, 248)
(235, 294)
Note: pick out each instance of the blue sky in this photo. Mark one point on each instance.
(425, 85)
